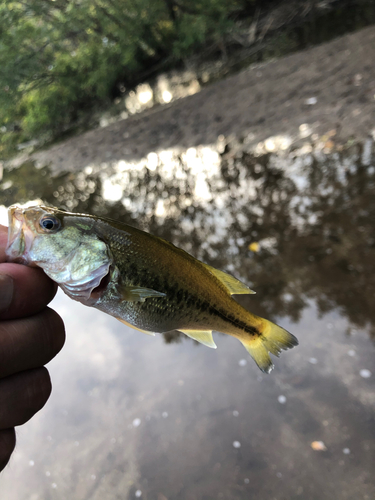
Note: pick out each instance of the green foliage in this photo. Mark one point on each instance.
(59, 57)
(207, 22)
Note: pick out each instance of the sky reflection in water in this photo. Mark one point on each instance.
(131, 417)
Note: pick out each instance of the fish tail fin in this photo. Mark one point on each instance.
(271, 339)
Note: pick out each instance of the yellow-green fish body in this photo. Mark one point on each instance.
(140, 279)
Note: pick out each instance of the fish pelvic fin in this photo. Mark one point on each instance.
(202, 336)
(272, 339)
(233, 285)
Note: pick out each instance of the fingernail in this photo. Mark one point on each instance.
(6, 292)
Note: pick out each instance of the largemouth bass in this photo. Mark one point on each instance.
(144, 281)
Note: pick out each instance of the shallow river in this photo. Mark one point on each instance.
(163, 418)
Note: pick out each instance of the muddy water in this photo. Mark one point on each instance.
(160, 418)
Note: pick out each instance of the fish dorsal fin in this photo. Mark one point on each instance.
(135, 328)
(202, 336)
(138, 294)
(233, 285)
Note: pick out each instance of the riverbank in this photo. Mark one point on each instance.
(328, 87)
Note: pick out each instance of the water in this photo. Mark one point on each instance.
(160, 418)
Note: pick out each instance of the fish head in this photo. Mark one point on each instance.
(36, 236)
(63, 244)
(27, 224)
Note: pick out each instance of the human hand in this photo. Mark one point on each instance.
(31, 334)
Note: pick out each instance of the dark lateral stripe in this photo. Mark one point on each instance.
(182, 298)
(236, 322)
(188, 300)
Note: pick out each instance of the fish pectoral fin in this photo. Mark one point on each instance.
(233, 285)
(202, 336)
(135, 328)
(139, 294)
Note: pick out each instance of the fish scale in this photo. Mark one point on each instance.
(140, 279)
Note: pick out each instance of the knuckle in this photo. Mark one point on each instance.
(7, 445)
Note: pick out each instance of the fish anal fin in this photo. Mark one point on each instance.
(136, 328)
(202, 336)
(138, 294)
(232, 284)
(271, 339)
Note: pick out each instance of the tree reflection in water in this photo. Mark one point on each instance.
(311, 212)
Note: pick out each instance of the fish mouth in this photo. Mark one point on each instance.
(20, 237)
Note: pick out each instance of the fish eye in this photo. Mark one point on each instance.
(50, 223)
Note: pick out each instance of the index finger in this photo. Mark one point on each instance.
(23, 290)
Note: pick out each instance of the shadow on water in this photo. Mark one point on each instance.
(295, 225)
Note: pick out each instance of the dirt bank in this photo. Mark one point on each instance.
(331, 86)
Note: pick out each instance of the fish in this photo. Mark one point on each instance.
(142, 280)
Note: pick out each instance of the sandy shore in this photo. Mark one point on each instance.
(331, 86)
